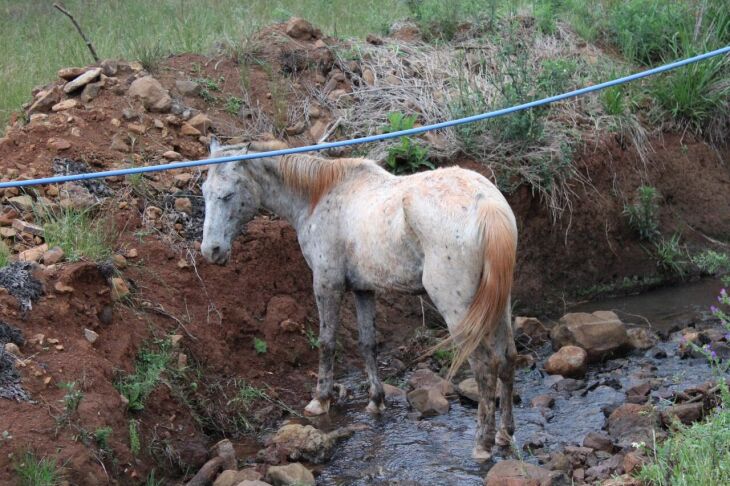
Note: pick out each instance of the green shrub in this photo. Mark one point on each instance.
(643, 215)
(34, 471)
(79, 233)
(556, 76)
(406, 156)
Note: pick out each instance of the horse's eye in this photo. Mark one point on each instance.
(227, 197)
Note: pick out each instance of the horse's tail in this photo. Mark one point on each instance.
(495, 228)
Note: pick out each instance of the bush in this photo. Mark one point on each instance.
(644, 214)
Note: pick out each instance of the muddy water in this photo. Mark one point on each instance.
(401, 449)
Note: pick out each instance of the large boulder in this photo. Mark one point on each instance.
(151, 93)
(601, 333)
(569, 361)
(518, 473)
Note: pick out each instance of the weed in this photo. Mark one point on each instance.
(444, 356)
(613, 101)
(34, 471)
(4, 254)
(72, 397)
(260, 346)
(406, 156)
(151, 363)
(246, 395)
(312, 338)
(233, 105)
(149, 54)
(712, 262)
(556, 76)
(643, 215)
(135, 444)
(101, 436)
(670, 256)
(152, 480)
(78, 233)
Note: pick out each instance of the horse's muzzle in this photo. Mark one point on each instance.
(216, 254)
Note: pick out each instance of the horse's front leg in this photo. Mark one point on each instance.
(329, 299)
(365, 306)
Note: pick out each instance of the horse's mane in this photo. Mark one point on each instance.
(314, 176)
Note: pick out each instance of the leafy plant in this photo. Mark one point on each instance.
(260, 345)
(312, 338)
(643, 215)
(712, 262)
(134, 440)
(233, 105)
(148, 371)
(670, 256)
(246, 395)
(406, 156)
(72, 397)
(34, 471)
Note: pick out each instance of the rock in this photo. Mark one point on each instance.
(109, 67)
(518, 473)
(598, 441)
(200, 122)
(186, 87)
(45, 100)
(76, 196)
(316, 131)
(53, 256)
(601, 333)
(119, 143)
(623, 480)
(632, 423)
(428, 401)
(119, 288)
(65, 105)
(374, 40)
(58, 144)
(24, 202)
(70, 73)
(189, 130)
(605, 469)
(296, 129)
(393, 392)
(182, 180)
(10, 214)
(300, 29)
(468, 388)
(6, 232)
(26, 227)
(368, 76)
(542, 401)
(253, 483)
(90, 92)
(172, 155)
(137, 128)
(152, 212)
(290, 475)
(90, 335)
(151, 93)
(530, 332)
(232, 477)
(639, 393)
(82, 80)
(570, 361)
(12, 348)
(687, 413)
(425, 378)
(298, 441)
(33, 254)
(642, 338)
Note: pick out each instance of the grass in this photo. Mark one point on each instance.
(152, 362)
(712, 262)
(135, 444)
(101, 436)
(72, 397)
(643, 215)
(4, 254)
(80, 233)
(670, 256)
(35, 471)
(260, 346)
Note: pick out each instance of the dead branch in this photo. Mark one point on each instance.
(61, 9)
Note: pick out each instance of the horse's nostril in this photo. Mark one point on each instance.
(215, 250)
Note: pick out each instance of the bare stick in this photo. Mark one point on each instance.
(78, 27)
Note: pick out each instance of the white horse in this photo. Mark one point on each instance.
(448, 232)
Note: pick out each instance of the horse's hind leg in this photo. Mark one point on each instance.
(506, 354)
(329, 299)
(484, 366)
(365, 306)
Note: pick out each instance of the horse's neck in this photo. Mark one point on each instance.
(276, 196)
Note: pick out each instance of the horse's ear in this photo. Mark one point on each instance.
(214, 144)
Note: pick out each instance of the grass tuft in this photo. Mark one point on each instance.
(152, 362)
(79, 233)
(35, 471)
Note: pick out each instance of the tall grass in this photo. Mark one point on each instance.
(79, 233)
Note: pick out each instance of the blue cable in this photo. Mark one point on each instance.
(368, 139)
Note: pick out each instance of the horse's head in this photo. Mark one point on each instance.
(231, 200)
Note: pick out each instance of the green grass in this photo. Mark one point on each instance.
(101, 436)
(260, 346)
(152, 362)
(4, 254)
(135, 444)
(35, 471)
(670, 256)
(80, 233)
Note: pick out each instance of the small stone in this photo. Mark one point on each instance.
(44, 101)
(33, 255)
(186, 87)
(12, 348)
(687, 413)
(6, 232)
(569, 361)
(296, 129)
(119, 261)
(183, 264)
(175, 340)
(58, 144)
(82, 80)
(90, 92)
(65, 105)
(116, 122)
(59, 347)
(316, 131)
(153, 96)
(182, 180)
(425, 378)
(70, 73)
(393, 392)
(200, 122)
(153, 212)
(189, 130)
(428, 401)
(300, 29)
(642, 338)
(314, 111)
(137, 128)
(26, 227)
(368, 76)
(158, 123)
(290, 475)
(62, 288)
(172, 155)
(517, 473)
(76, 132)
(598, 441)
(183, 205)
(109, 67)
(90, 335)
(119, 143)
(120, 289)
(468, 388)
(132, 253)
(631, 461)
(542, 401)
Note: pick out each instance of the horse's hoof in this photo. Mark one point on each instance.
(374, 409)
(480, 454)
(316, 408)
(503, 439)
